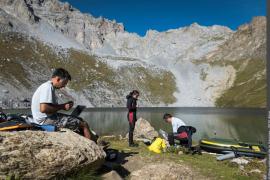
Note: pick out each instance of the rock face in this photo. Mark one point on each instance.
(45, 155)
(163, 171)
(84, 28)
(144, 130)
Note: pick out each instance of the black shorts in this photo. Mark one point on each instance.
(64, 121)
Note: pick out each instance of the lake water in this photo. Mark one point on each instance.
(240, 124)
(249, 125)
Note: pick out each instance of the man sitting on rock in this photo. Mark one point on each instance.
(181, 132)
(45, 107)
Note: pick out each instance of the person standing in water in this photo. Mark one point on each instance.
(132, 109)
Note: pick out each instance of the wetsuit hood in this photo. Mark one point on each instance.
(128, 96)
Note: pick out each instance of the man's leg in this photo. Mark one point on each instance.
(85, 128)
(73, 123)
(189, 140)
(171, 139)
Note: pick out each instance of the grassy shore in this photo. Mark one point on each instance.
(204, 166)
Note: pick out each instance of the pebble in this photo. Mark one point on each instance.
(180, 153)
(241, 167)
(255, 171)
(240, 161)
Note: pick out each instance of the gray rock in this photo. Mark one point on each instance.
(240, 161)
(168, 170)
(45, 155)
(241, 167)
(113, 175)
(264, 161)
(5, 91)
(144, 130)
(256, 171)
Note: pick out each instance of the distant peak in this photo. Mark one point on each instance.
(257, 22)
(151, 32)
(195, 24)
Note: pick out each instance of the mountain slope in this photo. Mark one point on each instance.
(188, 66)
(26, 62)
(246, 52)
(249, 88)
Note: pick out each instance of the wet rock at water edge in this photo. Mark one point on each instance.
(144, 130)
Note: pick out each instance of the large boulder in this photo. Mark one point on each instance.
(46, 155)
(144, 130)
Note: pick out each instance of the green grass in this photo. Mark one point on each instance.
(205, 164)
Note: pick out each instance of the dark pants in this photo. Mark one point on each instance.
(187, 141)
(131, 120)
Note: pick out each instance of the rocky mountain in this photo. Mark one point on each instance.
(47, 16)
(189, 66)
(245, 51)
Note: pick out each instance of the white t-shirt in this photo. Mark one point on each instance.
(176, 123)
(45, 93)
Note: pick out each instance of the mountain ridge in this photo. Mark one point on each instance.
(196, 60)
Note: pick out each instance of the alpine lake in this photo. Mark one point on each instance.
(245, 125)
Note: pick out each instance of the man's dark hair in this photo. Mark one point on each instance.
(166, 116)
(61, 73)
(134, 92)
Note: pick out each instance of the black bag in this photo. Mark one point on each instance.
(3, 117)
(111, 154)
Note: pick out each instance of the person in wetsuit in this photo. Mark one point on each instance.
(132, 109)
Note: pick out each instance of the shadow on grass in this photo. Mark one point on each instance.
(117, 165)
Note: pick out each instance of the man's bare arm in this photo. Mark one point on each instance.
(51, 108)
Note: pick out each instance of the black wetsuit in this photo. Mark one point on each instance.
(132, 118)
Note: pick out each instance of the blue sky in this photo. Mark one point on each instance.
(140, 15)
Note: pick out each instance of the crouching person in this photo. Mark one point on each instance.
(45, 108)
(181, 131)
